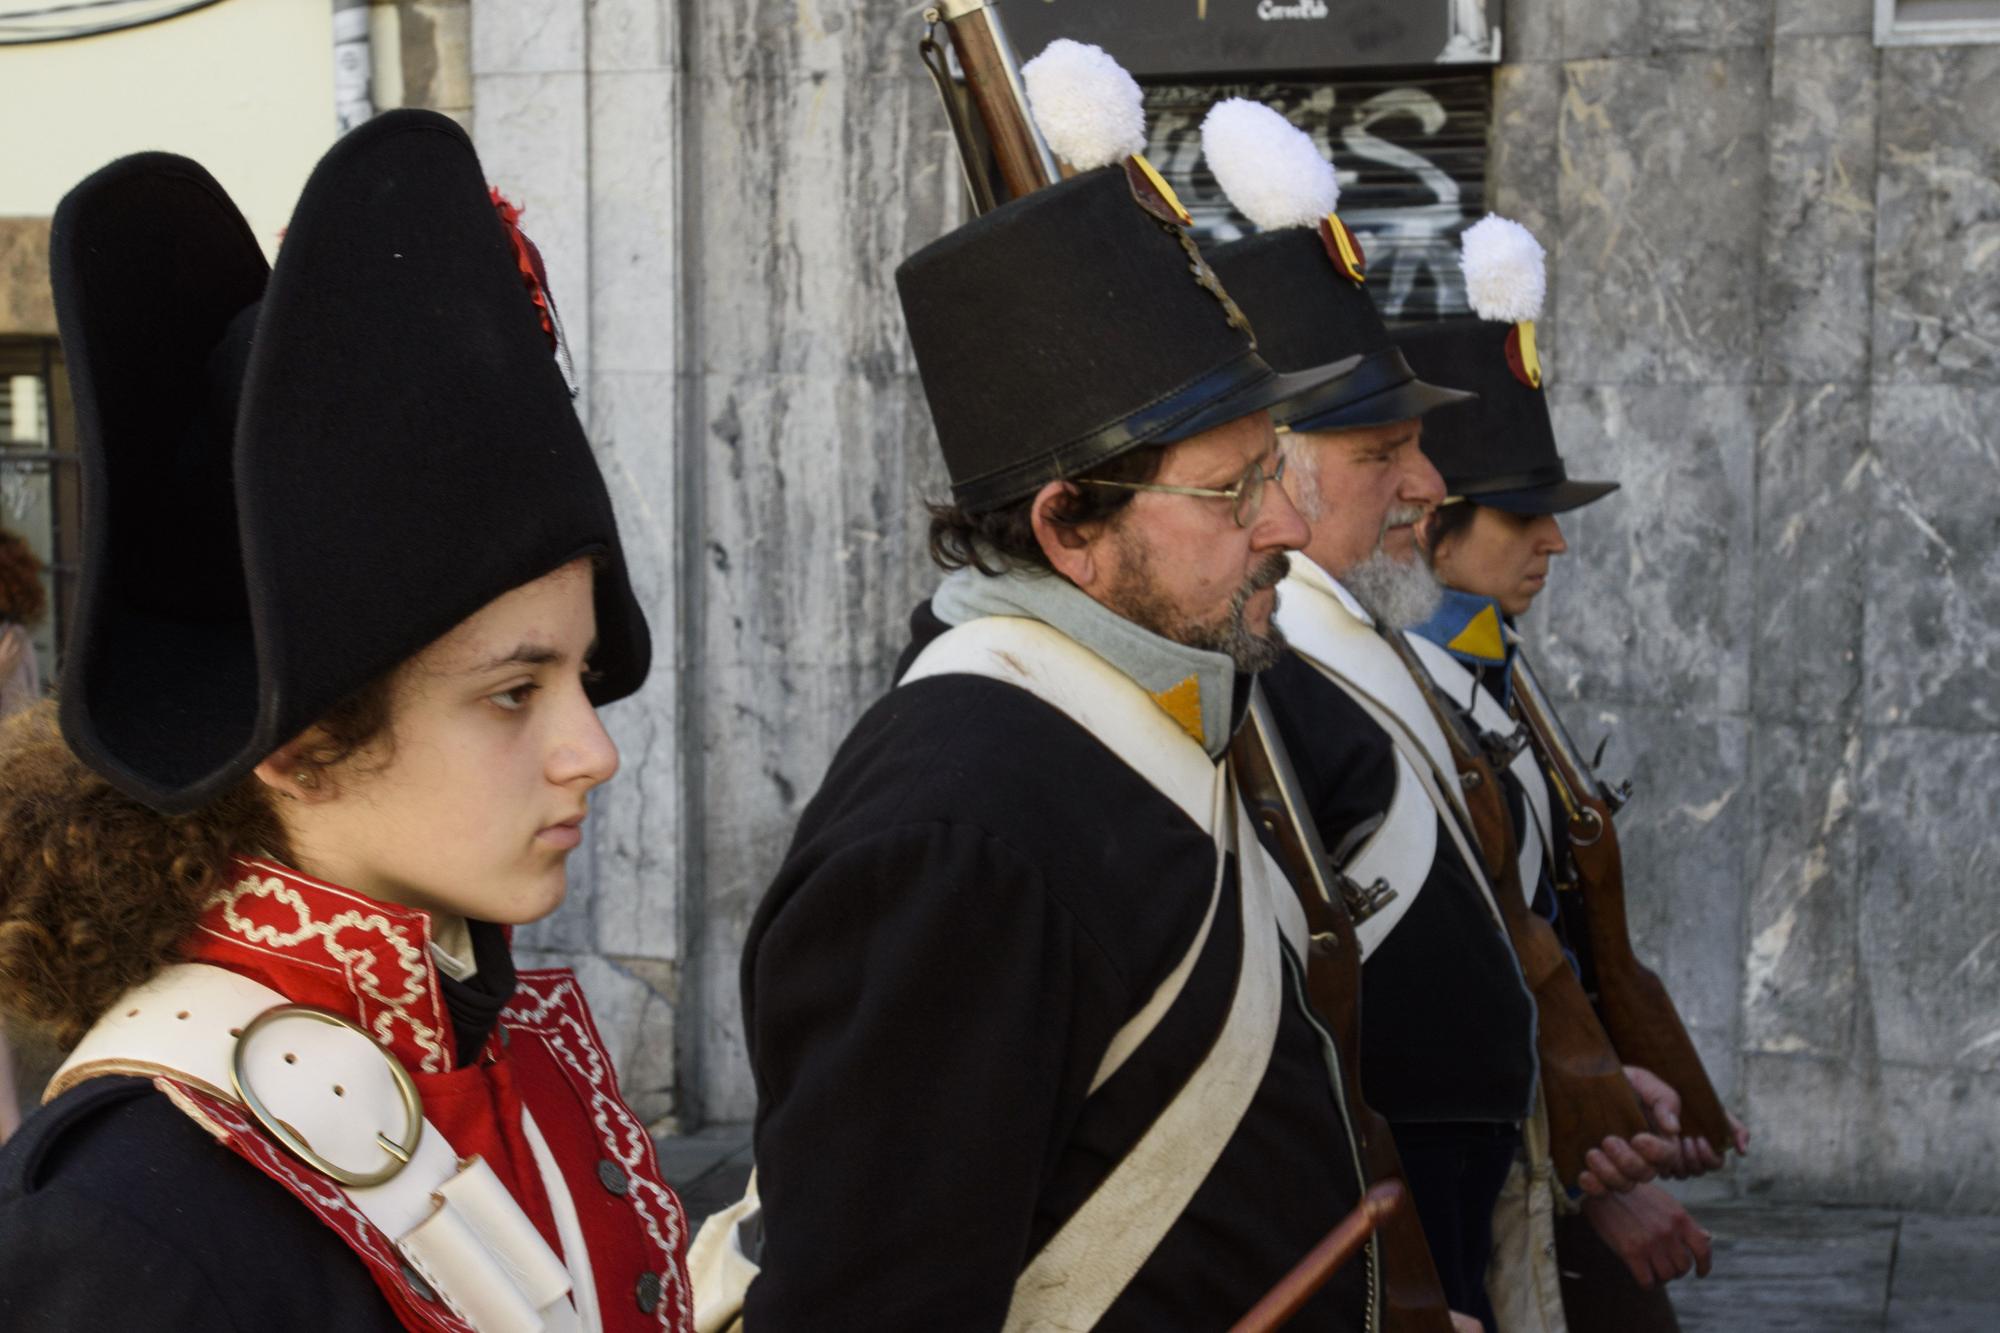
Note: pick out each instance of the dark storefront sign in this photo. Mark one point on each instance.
(1411, 153)
(1247, 38)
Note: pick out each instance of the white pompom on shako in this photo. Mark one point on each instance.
(1506, 274)
(1085, 104)
(1270, 168)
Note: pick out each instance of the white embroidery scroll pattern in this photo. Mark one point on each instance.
(325, 1198)
(357, 963)
(548, 1004)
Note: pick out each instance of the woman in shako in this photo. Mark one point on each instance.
(352, 594)
(1491, 545)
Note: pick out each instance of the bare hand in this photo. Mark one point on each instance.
(1618, 1166)
(1465, 1323)
(13, 642)
(1652, 1233)
(1662, 1103)
(1694, 1155)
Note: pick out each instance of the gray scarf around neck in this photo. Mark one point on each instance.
(1158, 665)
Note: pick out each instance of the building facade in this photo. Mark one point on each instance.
(1774, 315)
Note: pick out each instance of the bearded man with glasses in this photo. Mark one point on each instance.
(1024, 1003)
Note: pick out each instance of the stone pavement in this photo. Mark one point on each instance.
(1778, 1267)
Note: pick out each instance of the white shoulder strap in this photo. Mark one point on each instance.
(331, 1085)
(1400, 853)
(1353, 656)
(1082, 1269)
(1458, 684)
(1092, 693)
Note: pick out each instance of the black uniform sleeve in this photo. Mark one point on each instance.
(118, 1212)
(912, 1003)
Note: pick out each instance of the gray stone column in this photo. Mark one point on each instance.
(578, 115)
(722, 193)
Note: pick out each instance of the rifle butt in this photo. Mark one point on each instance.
(1648, 1032)
(1583, 1082)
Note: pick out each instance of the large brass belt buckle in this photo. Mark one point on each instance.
(399, 1152)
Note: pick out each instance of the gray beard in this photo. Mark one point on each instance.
(1397, 593)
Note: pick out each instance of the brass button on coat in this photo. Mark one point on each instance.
(612, 1177)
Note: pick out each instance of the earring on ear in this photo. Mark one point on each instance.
(304, 778)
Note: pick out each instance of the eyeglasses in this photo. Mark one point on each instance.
(1246, 497)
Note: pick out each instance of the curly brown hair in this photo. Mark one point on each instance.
(21, 595)
(98, 891)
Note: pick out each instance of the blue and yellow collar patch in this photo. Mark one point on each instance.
(1468, 627)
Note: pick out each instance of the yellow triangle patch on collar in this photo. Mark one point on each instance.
(1481, 637)
(1182, 703)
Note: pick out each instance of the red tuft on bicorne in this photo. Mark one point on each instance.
(529, 260)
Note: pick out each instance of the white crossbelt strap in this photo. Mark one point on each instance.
(1337, 642)
(1094, 1257)
(452, 1220)
(1110, 706)
(1080, 1272)
(1458, 684)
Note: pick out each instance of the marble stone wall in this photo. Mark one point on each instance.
(1775, 316)
(722, 193)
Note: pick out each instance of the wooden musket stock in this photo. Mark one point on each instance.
(1413, 1298)
(1583, 1084)
(1637, 1011)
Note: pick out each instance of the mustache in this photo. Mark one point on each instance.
(1400, 516)
(1268, 574)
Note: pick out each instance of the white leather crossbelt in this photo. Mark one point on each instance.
(330, 1085)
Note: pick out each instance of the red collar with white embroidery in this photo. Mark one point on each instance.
(320, 944)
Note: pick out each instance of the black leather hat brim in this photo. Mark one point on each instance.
(1557, 499)
(1263, 395)
(1382, 390)
(1244, 385)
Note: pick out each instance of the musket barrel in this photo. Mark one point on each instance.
(993, 79)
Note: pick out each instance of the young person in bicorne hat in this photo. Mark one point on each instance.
(352, 594)
(1620, 1240)
(1024, 1000)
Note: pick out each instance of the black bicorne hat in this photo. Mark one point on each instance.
(1501, 450)
(1307, 311)
(293, 484)
(1068, 326)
